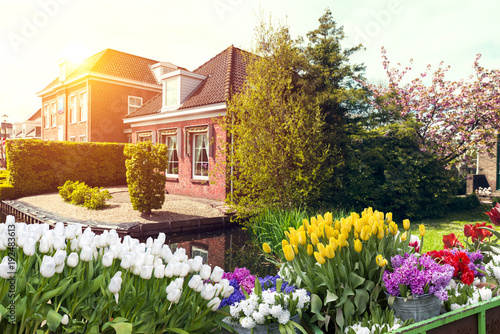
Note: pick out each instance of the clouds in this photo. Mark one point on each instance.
(188, 33)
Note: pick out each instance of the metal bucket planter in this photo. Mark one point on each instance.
(419, 307)
(262, 329)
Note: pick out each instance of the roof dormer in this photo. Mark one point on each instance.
(66, 68)
(162, 68)
(177, 86)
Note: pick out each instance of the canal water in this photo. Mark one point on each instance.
(228, 249)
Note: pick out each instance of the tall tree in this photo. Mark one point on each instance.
(450, 118)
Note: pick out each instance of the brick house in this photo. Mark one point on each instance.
(31, 128)
(487, 172)
(185, 116)
(88, 102)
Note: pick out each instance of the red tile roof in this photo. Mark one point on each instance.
(226, 73)
(114, 63)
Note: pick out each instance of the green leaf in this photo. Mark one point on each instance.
(330, 297)
(361, 300)
(355, 280)
(316, 304)
(53, 320)
(122, 327)
(339, 318)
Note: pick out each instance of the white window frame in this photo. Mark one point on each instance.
(144, 134)
(72, 139)
(132, 105)
(73, 109)
(164, 140)
(194, 160)
(200, 250)
(82, 137)
(53, 114)
(171, 92)
(46, 110)
(83, 106)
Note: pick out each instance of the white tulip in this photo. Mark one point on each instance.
(214, 303)
(205, 271)
(75, 245)
(7, 268)
(135, 270)
(70, 232)
(208, 291)
(196, 263)
(139, 259)
(169, 270)
(84, 240)
(149, 242)
(4, 241)
(156, 250)
(112, 238)
(59, 242)
(217, 274)
(146, 272)
(65, 320)
(45, 245)
(107, 259)
(59, 229)
(48, 267)
(166, 253)
(86, 254)
(227, 291)
(115, 284)
(149, 259)
(78, 229)
(157, 262)
(174, 296)
(60, 268)
(29, 247)
(159, 271)
(59, 257)
(180, 253)
(177, 268)
(127, 261)
(184, 269)
(72, 260)
(196, 283)
(175, 284)
(161, 238)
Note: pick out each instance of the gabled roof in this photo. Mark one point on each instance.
(36, 116)
(114, 63)
(226, 73)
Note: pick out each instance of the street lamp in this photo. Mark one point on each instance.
(4, 137)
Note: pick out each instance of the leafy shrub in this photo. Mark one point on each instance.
(38, 166)
(146, 185)
(81, 194)
(464, 203)
(7, 191)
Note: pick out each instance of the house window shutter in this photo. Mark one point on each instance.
(153, 137)
(179, 142)
(211, 140)
(187, 145)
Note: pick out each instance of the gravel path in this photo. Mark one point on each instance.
(120, 209)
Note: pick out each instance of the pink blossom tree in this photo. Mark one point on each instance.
(451, 118)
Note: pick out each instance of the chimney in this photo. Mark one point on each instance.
(66, 68)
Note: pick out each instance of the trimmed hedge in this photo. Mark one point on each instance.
(7, 191)
(38, 166)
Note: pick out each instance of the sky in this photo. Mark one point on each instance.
(36, 34)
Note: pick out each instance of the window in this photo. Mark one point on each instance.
(169, 138)
(83, 138)
(200, 155)
(72, 109)
(144, 136)
(72, 138)
(197, 251)
(171, 92)
(53, 114)
(46, 116)
(134, 103)
(83, 109)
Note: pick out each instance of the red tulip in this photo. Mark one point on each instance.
(450, 241)
(415, 245)
(468, 230)
(494, 214)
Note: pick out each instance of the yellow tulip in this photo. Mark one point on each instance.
(302, 238)
(337, 225)
(358, 226)
(319, 258)
(421, 229)
(314, 239)
(330, 252)
(294, 239)
(356, 235)
(295, 249)
(289, 253)
(266, 247)
(381, 261)
(329, 231)
(336, 234)
(328, 218)
(287, 235)
(393, 227)
(365, 233)
(403, 236)
(310, 249)
(374, 229)
(321, 249)
(306, 224)
(314, 221)
(406, 224)
(284, 242)
(358, 246)
(342, 241)
(380, 234)
(388, 216)
(334, 243)
(321, 220)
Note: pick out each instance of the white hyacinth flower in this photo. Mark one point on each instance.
(48, 267)
(72, 260)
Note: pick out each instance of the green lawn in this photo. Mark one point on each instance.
(451, 223)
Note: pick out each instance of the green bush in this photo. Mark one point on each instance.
(38, 166)
(7, 191)
(464, 203)
(146, 183)
(79, 193)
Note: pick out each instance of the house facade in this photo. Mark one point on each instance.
(31, 128)
(88, 101)
(487, 174)
(186, 116)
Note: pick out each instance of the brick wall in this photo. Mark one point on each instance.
(109, 105)
(215, 246)
(488, 167)
(215, 187)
